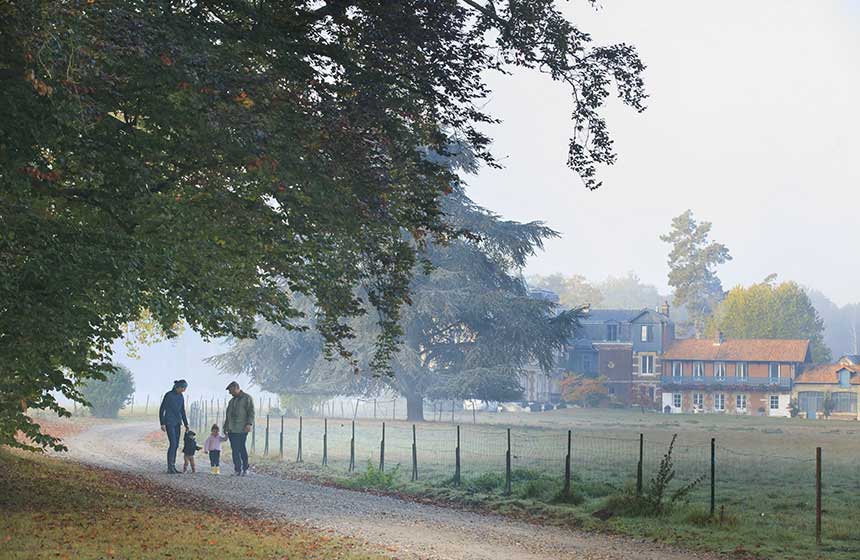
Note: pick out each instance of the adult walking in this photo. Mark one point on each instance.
(238, 423)
(171, 415)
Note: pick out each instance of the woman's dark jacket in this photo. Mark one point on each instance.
(172, 411)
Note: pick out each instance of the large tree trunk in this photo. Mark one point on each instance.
(415, 408)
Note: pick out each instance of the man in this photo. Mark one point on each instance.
(238, 423)
(171, 415)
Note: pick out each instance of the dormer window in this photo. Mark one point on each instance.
(844, 378)
(647, 333)
(612, 332)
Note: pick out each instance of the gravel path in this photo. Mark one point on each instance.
(406, 529)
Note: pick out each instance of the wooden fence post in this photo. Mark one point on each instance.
(382, 450)
(457, 459)
(414, 454)
(639, 464)
(567, 466)
(818, 496)
(352, 449)
(254, 435)
(325, 442)
(299, 451)
(508, 465)
(266, 447)
(713, 476)
(281, 442)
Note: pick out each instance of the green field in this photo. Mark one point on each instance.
(764, 484)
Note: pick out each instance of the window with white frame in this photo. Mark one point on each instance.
(677, 369)
(647, 333)
(698, 400)
(698, 369)
(741, 402)
(647, 363)
(742, 370)
(676, 400)
(719, 401)
(774, 402)
(773, 370)
(720, 370)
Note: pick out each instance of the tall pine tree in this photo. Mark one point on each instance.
(692, 267)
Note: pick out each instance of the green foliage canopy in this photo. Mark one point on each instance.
(191, 159)
(107, 396)
(766, 310)
(471, 327)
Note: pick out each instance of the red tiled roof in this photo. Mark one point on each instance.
(828, 373)
(739, 349)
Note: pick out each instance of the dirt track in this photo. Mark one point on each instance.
(406, 529)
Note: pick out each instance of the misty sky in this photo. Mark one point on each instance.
(753, 123)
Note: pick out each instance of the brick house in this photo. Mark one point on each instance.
(736, 376)
(839, 381)
(623, 345)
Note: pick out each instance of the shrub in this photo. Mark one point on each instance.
(573, 498)
(540, 489)
(107, 396)
(793, 408)
(657, 499)
(486, 482)
(375, 478)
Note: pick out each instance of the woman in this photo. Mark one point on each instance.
(171, 415)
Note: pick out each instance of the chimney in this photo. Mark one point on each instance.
(664, 309)
(719, 338)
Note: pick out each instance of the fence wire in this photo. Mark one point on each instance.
(764, 487)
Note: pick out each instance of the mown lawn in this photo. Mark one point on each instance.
(54, 509)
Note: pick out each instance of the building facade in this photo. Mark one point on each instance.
(737, 376)
(625, 347)
(839, 382)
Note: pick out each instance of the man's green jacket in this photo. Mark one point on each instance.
(240, 412)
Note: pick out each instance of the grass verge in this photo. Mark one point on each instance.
(55, 509)
(786, 534)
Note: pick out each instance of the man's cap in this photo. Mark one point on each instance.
(231, 385)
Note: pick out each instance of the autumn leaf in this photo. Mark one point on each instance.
(166, 60)
(244, 100)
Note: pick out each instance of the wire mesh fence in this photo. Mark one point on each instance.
(780, 491)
